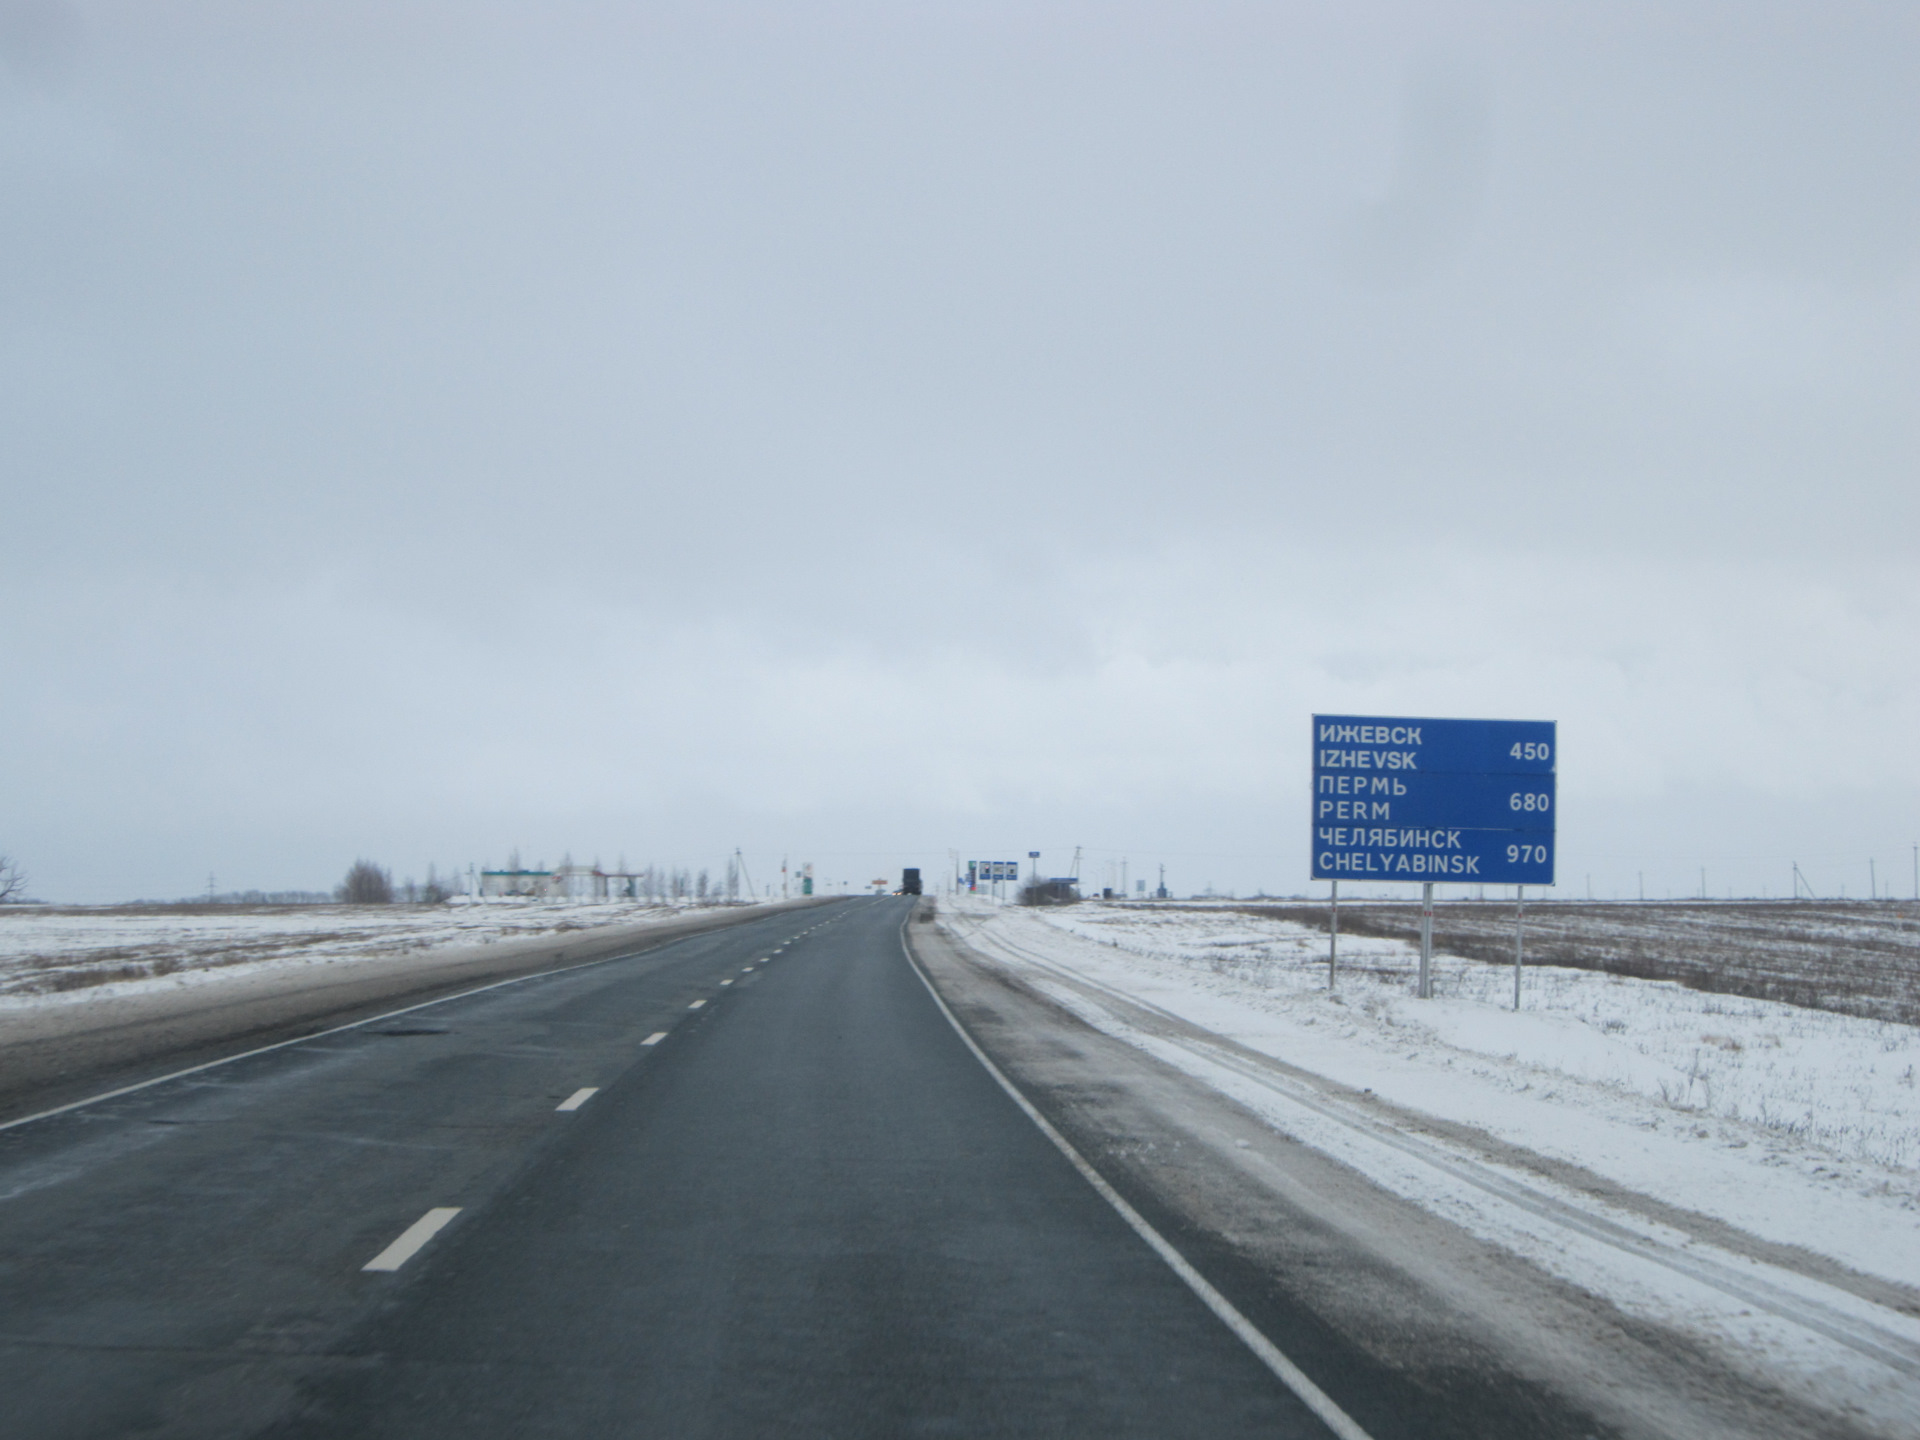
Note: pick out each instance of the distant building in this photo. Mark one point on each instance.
(1059, 890)
(578, 882)
(500, 884)
(568, 882)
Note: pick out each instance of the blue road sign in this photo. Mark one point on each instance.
(1481, 802)
(1469, 747)
(1416, 799)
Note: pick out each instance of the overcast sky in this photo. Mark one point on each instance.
(863, 432)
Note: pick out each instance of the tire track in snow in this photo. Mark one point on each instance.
(1874, 1342)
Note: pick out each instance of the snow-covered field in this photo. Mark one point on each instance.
(1798, 1127)
(52, 953)
(1852, 957)
(1845, 1086)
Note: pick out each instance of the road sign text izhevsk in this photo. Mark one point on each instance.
(1465, 801)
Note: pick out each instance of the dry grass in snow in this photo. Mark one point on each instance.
(1847, 1085)
(47, 951)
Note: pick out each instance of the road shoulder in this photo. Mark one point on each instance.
(1393, 1309)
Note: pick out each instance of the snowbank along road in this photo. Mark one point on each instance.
(789, 1177)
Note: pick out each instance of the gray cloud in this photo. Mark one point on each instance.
(40, 40)
(1435, 191)
(444, 428)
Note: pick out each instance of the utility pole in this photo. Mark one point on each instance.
(1873, 882)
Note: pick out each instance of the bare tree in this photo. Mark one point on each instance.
(366, 884)
(12, 879)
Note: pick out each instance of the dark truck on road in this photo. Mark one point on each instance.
(909, 882)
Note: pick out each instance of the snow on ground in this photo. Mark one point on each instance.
(1796, 1126)
(52, 955)
(1854, 958)
(1846, 1085)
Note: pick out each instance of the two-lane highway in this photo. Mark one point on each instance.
(749, 1183)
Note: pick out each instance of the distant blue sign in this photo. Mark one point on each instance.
(1454, 800)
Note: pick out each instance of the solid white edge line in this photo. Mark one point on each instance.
(578, 1098)
(1289, 1374)
(412, 1238)
(655, 1038)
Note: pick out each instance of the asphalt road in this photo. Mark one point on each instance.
(57, 1055)
(804, 1209)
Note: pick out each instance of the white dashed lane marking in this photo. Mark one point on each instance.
(412, 1238)
(696, 1005)
(655, 1038)
(578, 1098)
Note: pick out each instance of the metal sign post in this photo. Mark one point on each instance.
(1426, 940)
(1519, 925)
(1467, 801)
(994, 874)
(1333, 936)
